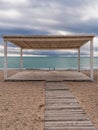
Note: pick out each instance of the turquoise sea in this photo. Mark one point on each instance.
(49, 62)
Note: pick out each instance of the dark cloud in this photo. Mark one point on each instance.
(64, 15)
(19, 31)
(90, 27)
(42, 17)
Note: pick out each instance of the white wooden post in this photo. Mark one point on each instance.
(5, 60)
(21, 60)
(79, 60)
(91, 59)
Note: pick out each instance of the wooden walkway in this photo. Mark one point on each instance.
(62, 111)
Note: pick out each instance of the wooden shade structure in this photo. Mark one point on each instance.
(49, 43)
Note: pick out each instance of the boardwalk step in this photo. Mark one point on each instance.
(65, 100)
(68, 123)
(70, 128)
(55, 86)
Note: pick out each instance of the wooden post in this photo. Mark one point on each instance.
(91, 59)
(21, 60)
(5, 60)
(79, 60)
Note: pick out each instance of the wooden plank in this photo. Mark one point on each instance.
(58, 96)
(68, 117)
(55, 84)
(55, 87)
(65, 100)
(62, 106)
(69, 128)
(60, 92)
(68, 123)
(61, 102)
(64, 112)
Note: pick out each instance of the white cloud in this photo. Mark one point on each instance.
(60, 32)
(90, 12)
(10, 14)
(15, 3)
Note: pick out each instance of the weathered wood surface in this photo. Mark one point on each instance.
(62, 110)
(48, 75)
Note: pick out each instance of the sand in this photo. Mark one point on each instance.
(22, 103)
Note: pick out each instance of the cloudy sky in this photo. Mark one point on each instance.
(49, 17)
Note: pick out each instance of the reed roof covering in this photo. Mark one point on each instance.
(49, 42)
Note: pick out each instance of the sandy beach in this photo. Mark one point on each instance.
(22, 103)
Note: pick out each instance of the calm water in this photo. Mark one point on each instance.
(49, 62)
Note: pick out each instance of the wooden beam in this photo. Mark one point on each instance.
(47, 39)
(54, 48)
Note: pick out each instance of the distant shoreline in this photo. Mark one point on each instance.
(35, 56)
(47, 69)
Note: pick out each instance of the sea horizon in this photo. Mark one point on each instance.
(49, 62)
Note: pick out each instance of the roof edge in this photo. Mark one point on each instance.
(47, 36)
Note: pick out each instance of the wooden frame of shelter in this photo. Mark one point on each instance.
(50, 43)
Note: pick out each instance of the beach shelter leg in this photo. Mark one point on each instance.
(91, 59)
(79, 60)
(21, 60)
(5, 60)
